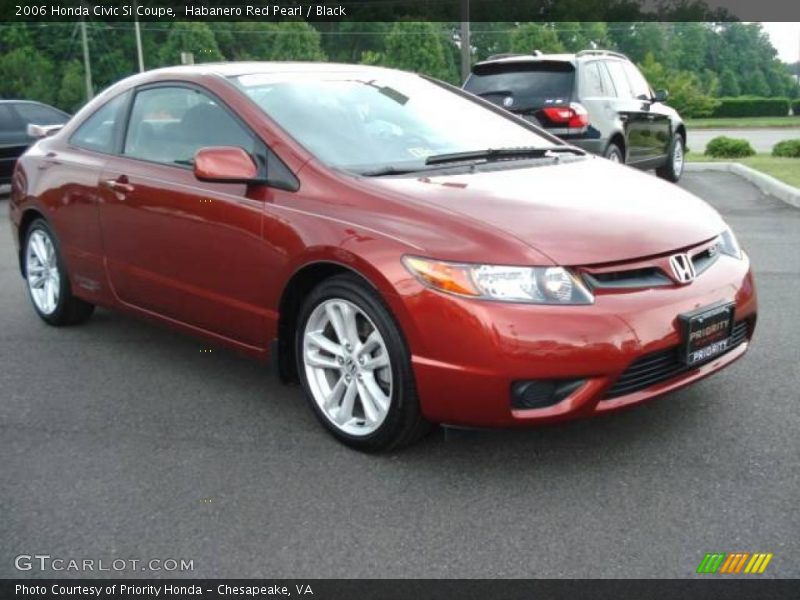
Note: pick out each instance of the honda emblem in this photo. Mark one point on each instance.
(682, 268)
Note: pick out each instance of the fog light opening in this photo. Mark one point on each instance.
(541, 393)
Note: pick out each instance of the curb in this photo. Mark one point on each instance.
(766, 183)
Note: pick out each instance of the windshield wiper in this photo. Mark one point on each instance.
(389, 170)
(501, 154)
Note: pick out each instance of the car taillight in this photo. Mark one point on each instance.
(573, 116)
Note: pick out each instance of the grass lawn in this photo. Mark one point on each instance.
(785, 169)
(743, 122)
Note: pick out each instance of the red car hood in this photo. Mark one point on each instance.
(576, 213)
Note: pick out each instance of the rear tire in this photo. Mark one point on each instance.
(614, 153)
(673, 170)
(355, 367)
(48, 282)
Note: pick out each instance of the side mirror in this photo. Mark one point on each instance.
(41, 131)
(224, 164)
(661, 96)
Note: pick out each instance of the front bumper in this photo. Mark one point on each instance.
(466, 354)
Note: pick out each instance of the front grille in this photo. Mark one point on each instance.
(661, 366)
(704, 259)
(647, 273)
(633, 278)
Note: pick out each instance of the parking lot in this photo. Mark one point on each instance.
(120, 439)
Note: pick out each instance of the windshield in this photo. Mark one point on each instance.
(366, 122)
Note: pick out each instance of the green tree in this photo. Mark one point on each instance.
(294, 40)
(687, 93)
(687, 96)
(249, 40)
(637, 39)
(194, 37)
(534, 36)
(71, 91)
(653, 71)
(418, 47)
(689, 41)
(347, 41)
(370, 57)
(28, 74)
(778, 80)
(729, 85)
(576, 36)
(253, 40)
(755, 84)
(14, 35)
(490, 38)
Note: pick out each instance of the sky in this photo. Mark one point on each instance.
(786, 39)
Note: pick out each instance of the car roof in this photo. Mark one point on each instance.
(233, 69)
(523, 58)
(13, 101)
(573, 59)
(53, 108)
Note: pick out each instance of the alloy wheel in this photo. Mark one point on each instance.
(347, 366)
(41, 269)
(677, 158)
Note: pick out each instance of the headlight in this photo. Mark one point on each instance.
(729, 245)
(534, 285)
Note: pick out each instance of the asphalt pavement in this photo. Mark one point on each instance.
(121, 440)
(762, 140)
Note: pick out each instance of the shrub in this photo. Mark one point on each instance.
(725, 147)
(796, 106)
(752, 106)
(787, 149)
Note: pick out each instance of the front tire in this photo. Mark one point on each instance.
(48, 281)
(614, 154)
(355, 368)
(673, 170)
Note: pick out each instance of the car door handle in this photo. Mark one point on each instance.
(48, 160)
(121, 187)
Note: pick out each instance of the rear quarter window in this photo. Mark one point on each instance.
(97, 132)
(527, 84)
(595, 82)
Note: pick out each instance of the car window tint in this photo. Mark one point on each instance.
(526, 84)
(39, 115)
(8, 120)
(97, 132)
(592, 81)
(639, 86)
(619, 78)
(170, 124)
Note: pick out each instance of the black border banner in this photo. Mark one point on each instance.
(391, 10)
(706, 588)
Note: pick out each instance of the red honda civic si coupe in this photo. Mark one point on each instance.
(408, 252)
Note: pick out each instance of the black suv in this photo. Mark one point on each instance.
(594, 99)
(15, 116)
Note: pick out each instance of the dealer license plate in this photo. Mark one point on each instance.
(706, 332)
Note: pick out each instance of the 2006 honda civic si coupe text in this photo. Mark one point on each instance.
(408, 252)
